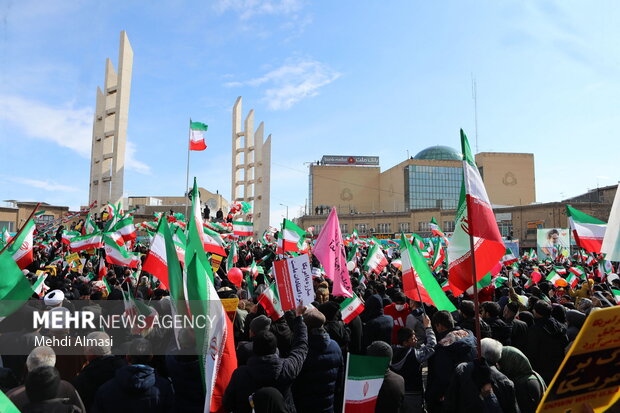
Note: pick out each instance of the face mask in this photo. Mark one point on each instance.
(399, 307)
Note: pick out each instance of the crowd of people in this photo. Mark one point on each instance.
(297, 362)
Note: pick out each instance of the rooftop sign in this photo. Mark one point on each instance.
(350, 160)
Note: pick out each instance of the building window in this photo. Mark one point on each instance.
(403, 227)
(9, 225)
(448, 226)
(505, 227)
(383, 228)
(432, 186)
(424, 226)
(317, 228)
(361, 228)
(343, 228)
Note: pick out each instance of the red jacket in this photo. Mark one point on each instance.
(399, 318)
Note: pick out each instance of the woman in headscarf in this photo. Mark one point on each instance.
(529, 386)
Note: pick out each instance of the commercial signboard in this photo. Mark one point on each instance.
(350, 160)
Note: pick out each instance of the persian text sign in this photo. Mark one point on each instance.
(589, 372)
(294, 281)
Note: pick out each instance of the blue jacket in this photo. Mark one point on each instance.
(321, 374)
(135, 388)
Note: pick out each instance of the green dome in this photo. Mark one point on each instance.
(439, 153)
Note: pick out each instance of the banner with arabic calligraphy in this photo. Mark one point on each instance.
(589, 373)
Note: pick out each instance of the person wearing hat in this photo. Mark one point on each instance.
(54, 298)
(267, 369)
(245, 348)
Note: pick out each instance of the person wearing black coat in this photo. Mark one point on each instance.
(468, 319)
(518, 336)
(183, 368)
(546, 341)
(454, 346)
(391, 397)
(267, 369)
(315, 389)
(334, 326)
(378, 327)
(500, 331)
(100, 369)
(136, 387)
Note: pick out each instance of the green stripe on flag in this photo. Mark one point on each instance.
(198, 126)
(6, 405)
(367, 367)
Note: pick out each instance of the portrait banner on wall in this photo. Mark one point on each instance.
(552, 242)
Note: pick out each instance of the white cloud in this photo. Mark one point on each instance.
(250, 8)
(132, 163)
(65, 126)
(292, 82)
(45, 185)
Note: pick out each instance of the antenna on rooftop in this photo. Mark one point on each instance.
(474, 95)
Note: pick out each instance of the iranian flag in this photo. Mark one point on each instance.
(118, 255)
(214, 340)
(86, 242)
(587, 230)
(418, 281)
(89, 226)
(509, 258)
(67, 236)
(213, 242)
(499, 281)
(474, 216)
(351, 308)
(126, 228)
(445, 286)
(6, 237)
(555, 279)
(577, 270)
(397, 263)
(15, 289)
(243, 229)
(136, 308)
(196, 136)
(611, 242)
(6, 405)
(376, 260)
(270, 300)
(439, 256)
(39, 286)
(365, 376)
(572, 280)
(103, 269)
(437, 232)
(560, 270)
(233, 256)
(21, 248)
(179, 244)
(162, 252)
(616, 295)
(292, 236)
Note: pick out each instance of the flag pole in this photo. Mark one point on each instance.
(21, 229)
(473, 266)
(189, 138)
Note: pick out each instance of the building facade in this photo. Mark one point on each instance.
(148, 205)
(15, 213)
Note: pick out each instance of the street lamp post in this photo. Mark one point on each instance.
(286, 210)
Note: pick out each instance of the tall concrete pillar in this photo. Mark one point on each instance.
(107, 164)
(251, 166)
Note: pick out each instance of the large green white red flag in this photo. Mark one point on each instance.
(418, 281)
(196, 136)
(611, 242)
(488, 245)
(214, 340)
(233, 256)
(89, 225)
(587, 230)
(376, 260)
(364, 379)
(86, 242)
(292, 236)
(15, 289)
(21, 248)
(117, 255)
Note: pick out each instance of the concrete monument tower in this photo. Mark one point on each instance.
(251, 167)
(107, 163)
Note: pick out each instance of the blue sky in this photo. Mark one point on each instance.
(326, 77)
